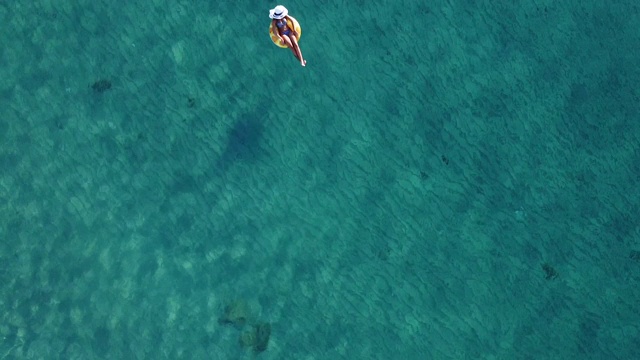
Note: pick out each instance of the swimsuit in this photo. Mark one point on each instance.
(282, 23)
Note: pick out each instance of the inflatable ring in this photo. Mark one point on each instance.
(293, 25)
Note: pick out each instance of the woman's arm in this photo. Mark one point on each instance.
(276, 31)
(292, 27)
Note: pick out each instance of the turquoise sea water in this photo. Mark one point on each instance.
(444, 180)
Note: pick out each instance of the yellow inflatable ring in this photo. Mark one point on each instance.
(292, 24)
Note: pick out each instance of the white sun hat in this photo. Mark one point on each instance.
(278, 12)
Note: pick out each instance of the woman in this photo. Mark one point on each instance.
(283, 27)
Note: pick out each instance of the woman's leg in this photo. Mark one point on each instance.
(292, 43)
(287, 41)
(297, 51)
(293, 50)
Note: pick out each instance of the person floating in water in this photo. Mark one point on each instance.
(286, 30)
